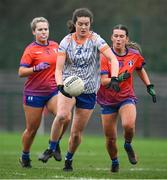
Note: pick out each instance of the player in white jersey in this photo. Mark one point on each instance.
(78, 54)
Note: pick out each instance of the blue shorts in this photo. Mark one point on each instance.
(107, 109)
(86, 101)
(38, 101)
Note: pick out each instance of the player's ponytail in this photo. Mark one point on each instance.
(71, 26)
(80, 12)
(134, 45)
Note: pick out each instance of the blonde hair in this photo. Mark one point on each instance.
(37, 20)
(134, 45)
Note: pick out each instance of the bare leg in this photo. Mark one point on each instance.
(109, 123)
(52, 107)
(80, 120)
(33, 119)
(128, 117)
(62, 119)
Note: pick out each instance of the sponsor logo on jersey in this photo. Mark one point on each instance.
(38, 52)
(55, 50)
(130, 63)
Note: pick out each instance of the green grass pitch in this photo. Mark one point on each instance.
(91, 161)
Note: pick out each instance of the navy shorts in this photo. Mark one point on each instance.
(107, 109)
(86, 101)
(38, 101)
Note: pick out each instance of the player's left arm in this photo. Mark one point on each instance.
(114, 62)
(114, 83)
(143, 76)
(150, 87)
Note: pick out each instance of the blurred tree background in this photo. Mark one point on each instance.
(146, 20)
(147, 23)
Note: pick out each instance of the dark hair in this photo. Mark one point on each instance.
(80, 12)
(121, 27)
(130, 44)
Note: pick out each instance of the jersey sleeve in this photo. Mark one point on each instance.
(63, 45)
(101, 43)
(140, 62)
(26, 59)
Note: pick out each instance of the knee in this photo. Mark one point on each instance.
(63, 118)
(111, 140)
(68, 119)
(31, 131)
(75, 137)
(111, 137)
(128, 127)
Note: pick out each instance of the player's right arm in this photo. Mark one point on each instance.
(59, 68)
(61, 58)
(25, 68)
(25, 71)
(59, 73)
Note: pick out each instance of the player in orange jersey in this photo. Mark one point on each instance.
(40, 90)
(121, 103)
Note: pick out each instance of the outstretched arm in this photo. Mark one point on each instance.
(143, 76)
(150, 87)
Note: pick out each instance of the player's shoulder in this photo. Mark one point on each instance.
(30, 47)
(67, 39)
(53, 43)
(134, 51)
(94, 35)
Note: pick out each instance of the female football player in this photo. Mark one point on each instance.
(38, 64)
(78, 55)
(121, 103)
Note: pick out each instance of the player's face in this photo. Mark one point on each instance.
(41, 32)
(82, 26)
(119, 39)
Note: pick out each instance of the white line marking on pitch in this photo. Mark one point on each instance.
(147, 169)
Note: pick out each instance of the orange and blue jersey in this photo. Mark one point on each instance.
(40, 83)
(129, 62)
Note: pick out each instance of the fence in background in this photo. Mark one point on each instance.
(151, 118)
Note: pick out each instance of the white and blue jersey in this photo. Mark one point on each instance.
(82, 59)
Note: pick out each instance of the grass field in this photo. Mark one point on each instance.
(90, 162)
